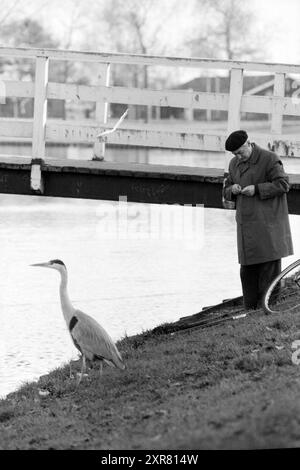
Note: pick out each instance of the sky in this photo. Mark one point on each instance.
(280, 18)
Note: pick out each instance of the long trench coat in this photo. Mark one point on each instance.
(263, 229)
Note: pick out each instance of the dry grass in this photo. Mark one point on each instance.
(229, 386)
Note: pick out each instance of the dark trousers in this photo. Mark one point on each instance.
(255, 280)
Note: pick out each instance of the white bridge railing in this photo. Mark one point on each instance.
(42, 130)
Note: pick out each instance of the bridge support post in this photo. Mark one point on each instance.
(40, 107)
(277, 106)
(235, 100)
(189, 112)
(101, 110)
(234, 108)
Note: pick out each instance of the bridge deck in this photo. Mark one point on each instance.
(138, 182)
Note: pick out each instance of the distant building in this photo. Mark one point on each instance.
(253, 85)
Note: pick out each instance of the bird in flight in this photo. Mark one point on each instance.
(90, 338)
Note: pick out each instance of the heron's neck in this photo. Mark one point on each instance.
(67, 307)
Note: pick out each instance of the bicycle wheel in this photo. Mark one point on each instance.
(283, 294)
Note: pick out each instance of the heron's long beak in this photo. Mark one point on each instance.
(41, 265)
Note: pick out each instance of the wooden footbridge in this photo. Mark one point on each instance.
(140, 183)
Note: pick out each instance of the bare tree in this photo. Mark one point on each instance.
(227, 30)
(16, 10)
(137, 27)
(73, 25)
(24, 33)
(8, 8)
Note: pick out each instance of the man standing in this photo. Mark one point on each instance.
(258, 184)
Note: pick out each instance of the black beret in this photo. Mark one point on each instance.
(236, 140)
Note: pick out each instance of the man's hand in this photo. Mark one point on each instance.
(248, 190)
(236, 189)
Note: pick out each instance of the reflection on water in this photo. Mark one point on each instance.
(128, 283)
(138, 155)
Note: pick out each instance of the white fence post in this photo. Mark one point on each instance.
(234, 107)
(189, 112)
(277, 104)
(208, 90)
(2, 92)
(40, 107)
(101, 110)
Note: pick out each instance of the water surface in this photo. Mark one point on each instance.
(159, 267)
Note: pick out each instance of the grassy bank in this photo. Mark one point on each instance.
(228, 386)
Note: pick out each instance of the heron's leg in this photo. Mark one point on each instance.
(101, 368)
(83, 368)
(71, 370)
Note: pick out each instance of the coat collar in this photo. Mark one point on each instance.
(244, 166)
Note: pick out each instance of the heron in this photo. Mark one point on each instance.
(90, 338)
